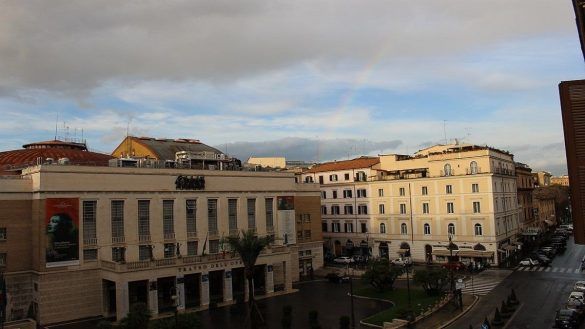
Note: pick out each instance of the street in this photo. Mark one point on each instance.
(541, 291)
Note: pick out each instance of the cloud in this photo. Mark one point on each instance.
(82, 45)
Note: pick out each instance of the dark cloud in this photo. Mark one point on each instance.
(304, 149)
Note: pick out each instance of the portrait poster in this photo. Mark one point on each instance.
(62, 230)
(286, 219)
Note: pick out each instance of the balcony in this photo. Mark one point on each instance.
(191, 235)
(168, 262)
(234, 232)
(169, 236)
(118, 239)
(90, 242)
(474, 171)
(213, 234)
(144, 238)
(270, 230)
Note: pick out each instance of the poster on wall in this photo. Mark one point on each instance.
(286, 219)
(62, 230)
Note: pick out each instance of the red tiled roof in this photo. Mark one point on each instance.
(28, 157)
(363, 162)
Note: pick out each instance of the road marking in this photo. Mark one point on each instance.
(547, 269)
(561, 270)
(555, 269)
(577, 270)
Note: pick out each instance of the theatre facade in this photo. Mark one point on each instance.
(81, 241)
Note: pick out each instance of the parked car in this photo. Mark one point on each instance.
(577, 306)
(402, 261)
(337, 278)
(343, 260)
(579, 295)
(543, 260)
(454, 265)
(579, 286)
(566, 318)
(529, 262)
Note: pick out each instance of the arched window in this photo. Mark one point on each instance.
(403, 229)
(451, 229)
(473, 168)
(447, 170)
(478, 229)
(382, 228)
(308, 179)
(427, 229)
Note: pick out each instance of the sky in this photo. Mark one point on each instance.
(311, 80)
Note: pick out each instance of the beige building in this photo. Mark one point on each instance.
(560, 180)
(267, 162)
(542, 178)
(79, 241)
(525, 186)
(409, 205)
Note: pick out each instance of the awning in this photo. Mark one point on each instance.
(445, 252)
(549, 222)
(402, 251)
(464, 253)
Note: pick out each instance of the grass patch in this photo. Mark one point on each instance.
(420, 301)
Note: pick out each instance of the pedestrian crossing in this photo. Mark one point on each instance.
(549, 269)
(482, 284)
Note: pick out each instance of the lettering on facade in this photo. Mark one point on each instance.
(190, 183)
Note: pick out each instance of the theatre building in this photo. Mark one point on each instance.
(80, 241)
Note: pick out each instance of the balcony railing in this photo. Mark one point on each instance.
(118, 239)
(169, 236)
(234, 232)
(213, 234)
(191, 235)
(270, 229)
(90, 242)
(144, 238)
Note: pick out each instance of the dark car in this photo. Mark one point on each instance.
(454, 265)
(543, 260)
(566, 318)
(337, 278)
(577, 306)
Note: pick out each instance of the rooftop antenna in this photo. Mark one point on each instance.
(445, 131)
(56, 123)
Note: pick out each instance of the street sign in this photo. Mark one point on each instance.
(459, 284)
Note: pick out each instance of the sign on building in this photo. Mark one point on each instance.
(286, 219)
(62, 230)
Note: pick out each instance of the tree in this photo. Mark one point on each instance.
(248, 246)
(380, 274)
(431, 280)
(137, 318)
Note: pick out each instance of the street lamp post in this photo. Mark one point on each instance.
(351, 298)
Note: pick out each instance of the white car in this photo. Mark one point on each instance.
(529, 262)
(578, 295)
(401, 261)
(343, 260)
(579, 286)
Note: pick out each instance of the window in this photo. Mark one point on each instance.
(364, 228)
(323, 210)
(425, 190)
(213, 246)
(323, 194)
(360, 176)
(380, 192)
(403, 208)
(382, 228)
(475, 188)
(89, 223)
(191, 216)
(308, 179)
(361, 193)
(451, 229)
(3, 259)
(169, 250)
(168, 219)
(143, 219)
(425, 208)
(476, 207)
(212, 216)
(269, 206)
(305, 218)
(478, 229)
(403, 229)
(333, 178)
(450, 208)
(348, 227)
(90, 254)
(427, 229)
(348, 209)
(347, 193)
(324, 226)
(362, 209)
(144, 253)
(192, 248)
(117, 217)
(321, 180)
(232, 215)
(118, 254)
(251, 214)
(447, 170)
(449, 189)
(335, 210)
(381, 209)
(473, 169)
(335, 227)
(334, 194)
(402, 191)
(307, 234)
(346, 176)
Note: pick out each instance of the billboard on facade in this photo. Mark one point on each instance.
(286, 219)
(62, 230)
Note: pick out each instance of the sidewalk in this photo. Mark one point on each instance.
(445, 314)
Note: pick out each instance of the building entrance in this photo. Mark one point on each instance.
(166, 289)
(238, 284)
(216, 283)
(192, 290)
(138, 292)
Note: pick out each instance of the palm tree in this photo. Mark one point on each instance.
(248, 246)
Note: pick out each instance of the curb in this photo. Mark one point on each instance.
(372, 298)
(461, 314)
